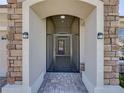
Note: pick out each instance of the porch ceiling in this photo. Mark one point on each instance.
(67, 22)
(76, 8)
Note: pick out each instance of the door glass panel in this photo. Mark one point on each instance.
(62, 45)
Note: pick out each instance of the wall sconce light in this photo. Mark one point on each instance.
(100, 35)
(25, 35)
(3, 38)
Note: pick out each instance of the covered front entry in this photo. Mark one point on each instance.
(35, 38)
(62, 44)
(62, 37)
(70, 47)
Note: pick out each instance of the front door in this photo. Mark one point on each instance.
(62, 52)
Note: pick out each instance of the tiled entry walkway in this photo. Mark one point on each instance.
(63, 83)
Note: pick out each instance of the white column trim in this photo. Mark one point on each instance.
(100, 45)
(25, 45)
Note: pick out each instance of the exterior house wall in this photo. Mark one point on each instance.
(37, 51)
(3, 54)
(3, 18)
(90, 52)
(37, 43)
(3, 43)
(15, 41)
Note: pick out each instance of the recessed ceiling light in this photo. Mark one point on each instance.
(62, 17)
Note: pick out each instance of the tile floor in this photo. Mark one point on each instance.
(63, 83)
(62, 64)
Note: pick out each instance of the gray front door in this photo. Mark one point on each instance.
(62, 52)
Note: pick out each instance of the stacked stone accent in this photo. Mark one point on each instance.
(15, 42)
(111, 17)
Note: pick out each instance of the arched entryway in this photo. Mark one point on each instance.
(89, 14)
(63, 35)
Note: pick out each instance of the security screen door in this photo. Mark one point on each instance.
(63, 43)
(62, 51)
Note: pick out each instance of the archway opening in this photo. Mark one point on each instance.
(91, 22)
(41, 57)
(62, 35)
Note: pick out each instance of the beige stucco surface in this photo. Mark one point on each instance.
(3, 19)
(3, 43)
(58, 7)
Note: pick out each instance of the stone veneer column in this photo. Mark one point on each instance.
(15, 42)
(111, 17)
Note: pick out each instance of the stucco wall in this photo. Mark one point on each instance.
(65, 6)
(90, 47)
(37, 49)
(3, 19)
(3, 55)
(3, 43)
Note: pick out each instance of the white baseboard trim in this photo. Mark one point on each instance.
(35, 87)
(87, 83)
(104, 89)
(109, 89)
(12, 88)
(15, 89)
